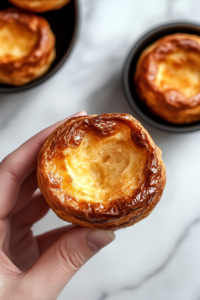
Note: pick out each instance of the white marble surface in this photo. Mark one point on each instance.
(159, 258)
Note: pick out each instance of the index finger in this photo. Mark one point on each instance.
(15, 168)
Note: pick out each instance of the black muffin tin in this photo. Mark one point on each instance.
(64, 24)
(130, 68)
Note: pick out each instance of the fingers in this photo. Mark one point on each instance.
(23, 246)
(27, 190)
(32, 213)
(18, 165)
(49, 238)
(62, 260)
(4, 235)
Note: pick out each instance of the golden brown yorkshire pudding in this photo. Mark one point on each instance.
(40, 5)
(27, 47)
(167, 78)
(101, 171)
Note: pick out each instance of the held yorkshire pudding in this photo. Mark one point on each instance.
(167, 78)
(101, 171)
(27, 47)
(40, 5)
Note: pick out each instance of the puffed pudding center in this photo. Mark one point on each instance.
(180, 71)
(101, 169)
(16, 41)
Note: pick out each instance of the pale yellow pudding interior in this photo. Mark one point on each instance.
(180, 71)
(101, 169)
(16, 42)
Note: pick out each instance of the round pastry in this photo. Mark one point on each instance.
(40, 5)
(101, 171)
(27, 47)
(167, 78)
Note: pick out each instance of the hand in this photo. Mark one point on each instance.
(36, 267)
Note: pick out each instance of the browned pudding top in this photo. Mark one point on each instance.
(25, 39)
(170, 68)
(100, 167)
(39, 5)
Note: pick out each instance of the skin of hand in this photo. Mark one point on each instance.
(37, 267)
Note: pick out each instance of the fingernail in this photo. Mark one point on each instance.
(80, 113)
(98, 239)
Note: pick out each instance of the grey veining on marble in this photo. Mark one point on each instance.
(158, 258)
(161, 268)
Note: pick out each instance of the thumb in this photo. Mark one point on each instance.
(57, 265)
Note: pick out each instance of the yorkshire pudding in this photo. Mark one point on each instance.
(40, 5)
(101, 171)
(167, 78)
(27, 47)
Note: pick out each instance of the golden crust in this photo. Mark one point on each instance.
(167, 78)
(101, 171)
(39, 5)
(27, 47)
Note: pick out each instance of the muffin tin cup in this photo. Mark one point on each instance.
(64, 24)
(130, 67)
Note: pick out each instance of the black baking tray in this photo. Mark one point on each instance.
(64, 24)
(130, 68)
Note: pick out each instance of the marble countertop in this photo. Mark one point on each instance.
(157, 258)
